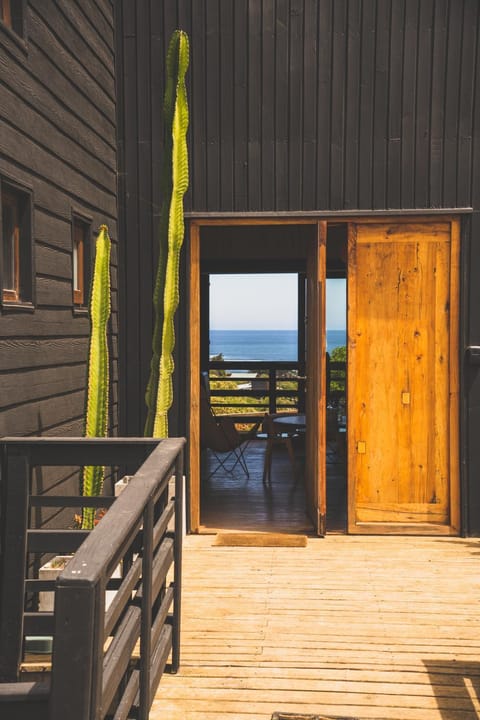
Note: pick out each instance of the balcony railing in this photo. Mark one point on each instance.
(257, 387)
(268, 387)
(106, 660)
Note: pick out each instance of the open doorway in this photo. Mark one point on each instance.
(256, 375)
(388, 411)
(296, 249)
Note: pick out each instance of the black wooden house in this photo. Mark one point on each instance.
(316, 126)
(58, 183)
(326, 136)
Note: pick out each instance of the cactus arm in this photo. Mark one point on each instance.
(96, 415)
(175, 240)
(166, 190)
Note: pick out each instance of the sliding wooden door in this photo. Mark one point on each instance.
(403, 377)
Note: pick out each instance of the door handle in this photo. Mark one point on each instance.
(473, 354)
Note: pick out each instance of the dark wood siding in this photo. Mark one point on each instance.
(317, 104)
(308, 106)
(57, 138)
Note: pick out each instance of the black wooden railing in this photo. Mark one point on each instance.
(106, 663)
(270, 387)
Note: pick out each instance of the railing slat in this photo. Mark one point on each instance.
(72, 501)
(160, 566)
(122, 595)
(162, 523)
(41, 623)
(24, 700)
(128, 698)
(158, 661)
(159, 658)
(119, 653)
(80, 451)
(162, 614)
(35, 585)
(55, 541)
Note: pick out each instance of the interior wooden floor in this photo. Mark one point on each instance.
(235, 502)
(372, 628)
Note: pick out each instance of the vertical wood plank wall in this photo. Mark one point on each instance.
(313, 104)
(306, 105)
(57, 137)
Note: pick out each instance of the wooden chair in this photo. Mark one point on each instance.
(276, 436)
(219, 434)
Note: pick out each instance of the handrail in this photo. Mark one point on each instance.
(103, 658)
(80, 593)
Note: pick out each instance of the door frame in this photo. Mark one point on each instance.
(194, 257)
(195, 224)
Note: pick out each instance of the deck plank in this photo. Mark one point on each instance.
(375, 628)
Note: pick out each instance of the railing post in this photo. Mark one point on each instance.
(77, 652)
(146, 621)
(177, 570)
(272, 391)
(14, 510)
(301, 385)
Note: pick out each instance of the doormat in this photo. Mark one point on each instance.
(296, 716)
(252, 539)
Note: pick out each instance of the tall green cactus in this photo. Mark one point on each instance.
(159, 394)
(96, 415)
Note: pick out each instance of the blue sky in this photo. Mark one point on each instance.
(266, 302)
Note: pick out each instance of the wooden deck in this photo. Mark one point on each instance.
(359, 627)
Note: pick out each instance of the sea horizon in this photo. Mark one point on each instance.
(264, 345)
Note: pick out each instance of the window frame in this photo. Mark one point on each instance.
(6, 13)
(12, 293)
(12, 17)
(20, 199)
(81, 236)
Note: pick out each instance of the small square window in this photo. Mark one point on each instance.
(80, 260)
(6, 12)
(16, 245)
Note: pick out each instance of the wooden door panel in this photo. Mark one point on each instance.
(399, 373)
(315, 481)
(400, 513)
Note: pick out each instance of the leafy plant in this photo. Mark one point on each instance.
(96, 414)
(159, 393)
(339, 354)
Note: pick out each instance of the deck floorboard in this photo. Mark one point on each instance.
(375, 628)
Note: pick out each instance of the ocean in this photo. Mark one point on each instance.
(264, 344)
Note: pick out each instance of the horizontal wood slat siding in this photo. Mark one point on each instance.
(58, 138)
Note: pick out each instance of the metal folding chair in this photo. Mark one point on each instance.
(218, 433)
